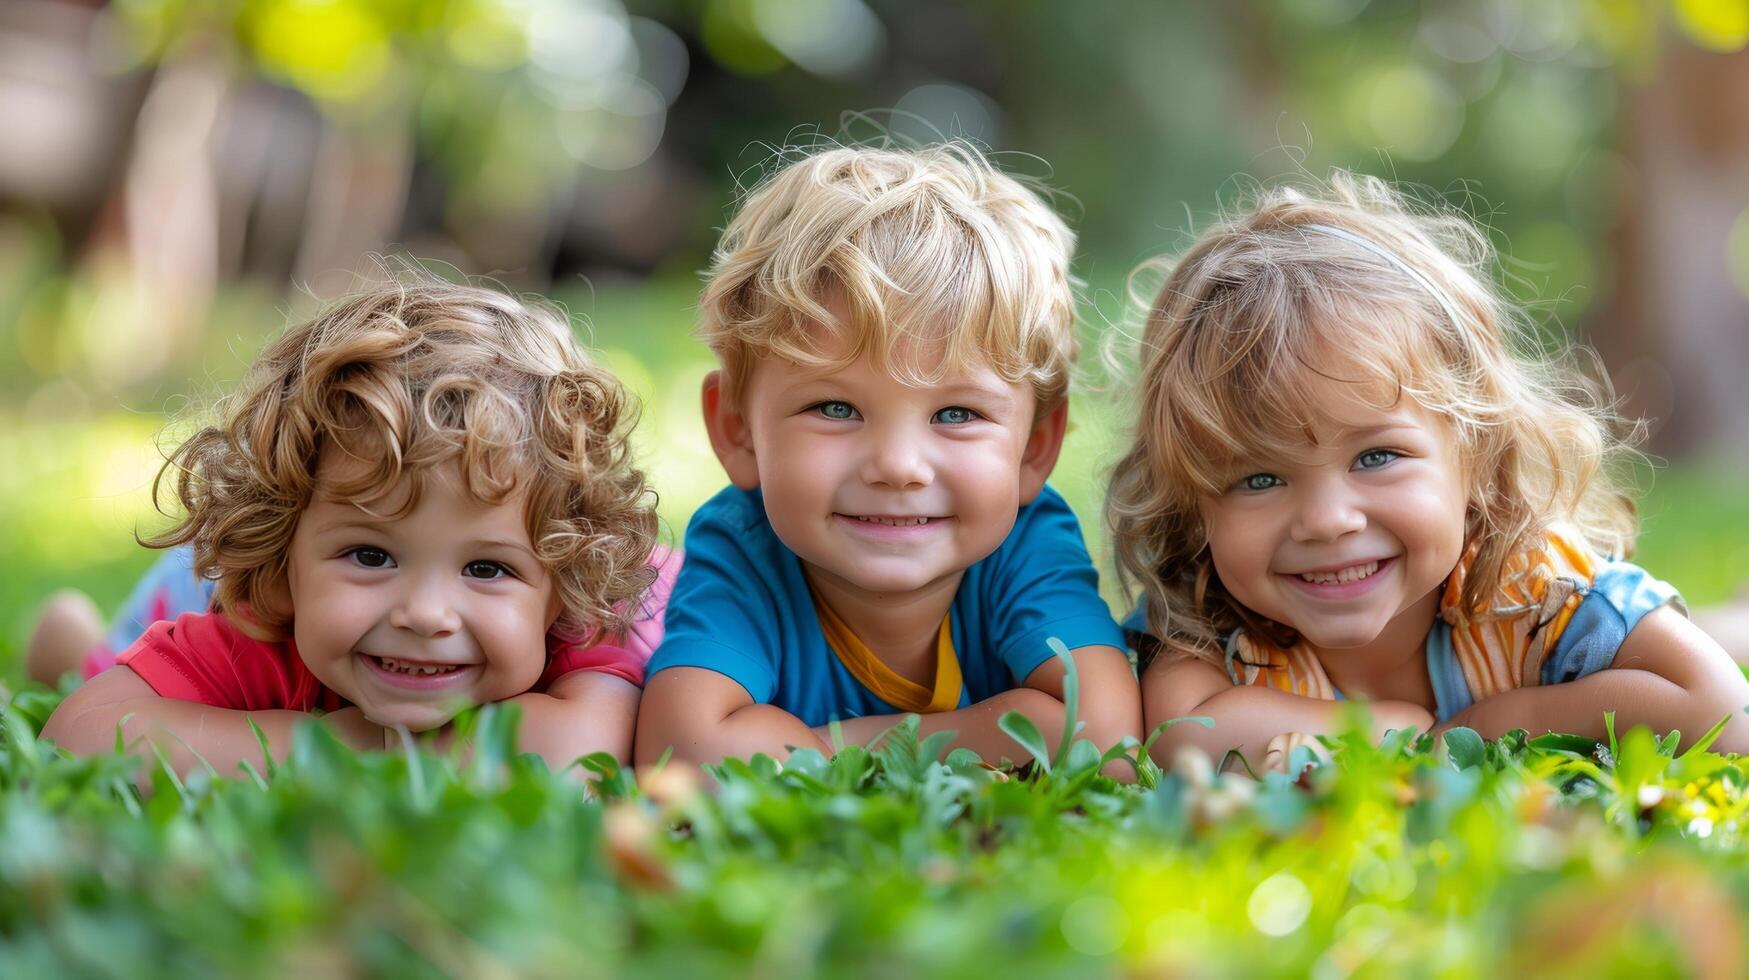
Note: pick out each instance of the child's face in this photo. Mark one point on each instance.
(884, 488)
(1356, 534)
(414, 618)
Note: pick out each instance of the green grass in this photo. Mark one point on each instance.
(1455, 859)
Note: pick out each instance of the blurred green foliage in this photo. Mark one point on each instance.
(1416, 857)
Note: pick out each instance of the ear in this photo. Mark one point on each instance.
(1042, 449)
(731, 439)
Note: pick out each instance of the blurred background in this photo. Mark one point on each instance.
(177, 177)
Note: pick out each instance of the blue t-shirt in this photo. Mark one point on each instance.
(741, 607)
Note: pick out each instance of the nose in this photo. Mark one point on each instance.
(425, 608)
(897, 458)
(1327, 509)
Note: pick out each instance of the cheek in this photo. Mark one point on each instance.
(336, 613)
(514, 636)
(1238, 547)
(795, 469)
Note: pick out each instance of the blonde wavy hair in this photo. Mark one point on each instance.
(931, 245)
(404, 377)
(1299, 288)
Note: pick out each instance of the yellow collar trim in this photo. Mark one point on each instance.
(883, 681)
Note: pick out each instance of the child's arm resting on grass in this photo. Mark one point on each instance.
(188, 733)
(1667, 674)
(581, 712)
(1246, 718)
(1110, 706)
(708, 717)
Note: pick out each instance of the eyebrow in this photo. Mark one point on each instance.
(963, 388)
(476, 543)
(1371, 431)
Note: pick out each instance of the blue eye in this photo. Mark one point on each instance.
(1260, 481)
(1372, 459)
(487, 570)
(369, 557)
(841, 411)
(955, 415)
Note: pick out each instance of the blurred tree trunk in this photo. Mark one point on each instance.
(358, 198)
(1674, 327)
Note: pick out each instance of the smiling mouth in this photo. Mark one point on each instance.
(894, 521)
(416, 668)
(1353, 573)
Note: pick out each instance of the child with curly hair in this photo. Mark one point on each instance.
(419, 500)
(1355, 476)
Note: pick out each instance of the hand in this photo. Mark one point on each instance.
(1280, 750)
(357, 731)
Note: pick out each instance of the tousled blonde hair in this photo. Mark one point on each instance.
(404, 377)
(931, 245)
(1269, 302)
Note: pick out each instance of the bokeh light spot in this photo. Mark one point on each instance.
(1718, 25)
(1408, 110)
(1095, 925)
(335, 51)
(1279, 904)
(1737, 252)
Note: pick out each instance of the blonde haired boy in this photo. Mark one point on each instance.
(895, 333)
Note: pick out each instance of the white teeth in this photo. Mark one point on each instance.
(1352, 573)
(417, 670)
(895, 521)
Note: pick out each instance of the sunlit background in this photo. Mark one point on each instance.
(178, 177)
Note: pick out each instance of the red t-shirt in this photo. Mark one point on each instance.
(205, 658)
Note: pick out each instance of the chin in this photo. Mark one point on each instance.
(1341, 639)
(888, 585)
(416, 719)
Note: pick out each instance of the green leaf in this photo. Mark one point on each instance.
(1071, 698)
(1667, 744)
(1706, 741)
(1577, 745)
(1203, 720)
(962, 757)
(1083, 756)
(932, 747)
(1466, 748)
(1020, 728)
(260, 739)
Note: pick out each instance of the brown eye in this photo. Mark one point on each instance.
(371, 557)
(485, 570)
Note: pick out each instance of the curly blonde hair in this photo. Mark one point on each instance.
(1347, 282)
(404, 377)
(932, 244)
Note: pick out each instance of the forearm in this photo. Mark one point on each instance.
(1246, 718)
(599, 716)
(975, 727)
(1637, 697)
(745, 732)
(190, 736)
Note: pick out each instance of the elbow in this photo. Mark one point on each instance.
(1112, 724)
(1171, 744)
(1734, 739)
(80, 732)
(651, 742)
